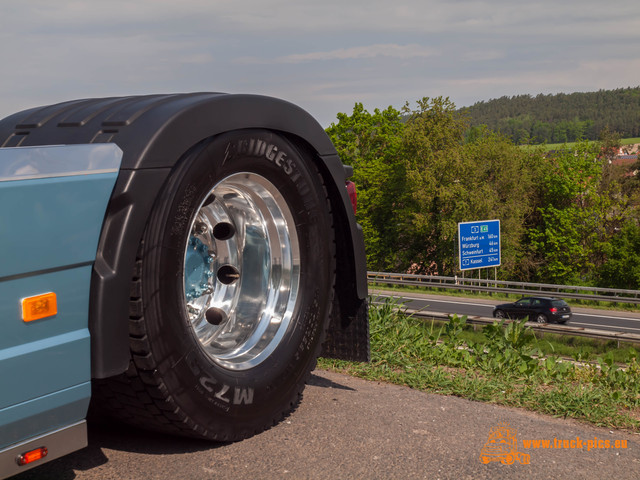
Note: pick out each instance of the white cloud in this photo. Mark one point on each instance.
(476, 55)
(351, 53)
(304, 17)
(198, 58)
(323, 55)
(369, 51)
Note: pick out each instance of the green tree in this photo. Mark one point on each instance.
(610, 144)
(622, 267)
(577, 215)
(432, 151)
(450, 181)
(503, 180)
(420, 171)
(370, 143)
(419, 178)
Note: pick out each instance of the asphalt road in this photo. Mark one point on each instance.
(347, 428)
(582, 317)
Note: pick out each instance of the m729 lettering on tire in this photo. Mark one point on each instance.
(240, 396)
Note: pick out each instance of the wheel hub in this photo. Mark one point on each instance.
(241, 271)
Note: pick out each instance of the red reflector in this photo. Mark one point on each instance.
(32, 456)
(554, 309)
(353, 196)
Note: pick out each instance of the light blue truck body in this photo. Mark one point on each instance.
(52, 206)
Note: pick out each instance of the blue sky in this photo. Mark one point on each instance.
(322, 55)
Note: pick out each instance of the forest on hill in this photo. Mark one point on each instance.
(559, 118)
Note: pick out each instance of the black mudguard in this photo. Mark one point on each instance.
(154, 132)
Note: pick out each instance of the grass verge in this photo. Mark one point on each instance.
(505, 366)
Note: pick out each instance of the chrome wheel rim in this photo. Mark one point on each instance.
(241, 271)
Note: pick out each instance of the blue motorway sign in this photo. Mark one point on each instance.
(479, 244)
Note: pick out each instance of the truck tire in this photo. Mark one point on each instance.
(231, 292)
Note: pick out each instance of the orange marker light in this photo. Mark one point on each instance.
(40, 306)
(32, 456)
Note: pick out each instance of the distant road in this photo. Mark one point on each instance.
(582, 317)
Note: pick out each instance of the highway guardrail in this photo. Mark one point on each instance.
(503, 286)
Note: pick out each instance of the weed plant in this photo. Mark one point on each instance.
(506, 365)
(565, 346)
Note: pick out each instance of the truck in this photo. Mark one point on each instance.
(502, 446)
(174, 261)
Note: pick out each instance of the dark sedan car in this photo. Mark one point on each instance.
(538, 309)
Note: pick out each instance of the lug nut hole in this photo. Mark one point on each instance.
(215, 316)
(209, 200)
(228, 274)
(223, 231)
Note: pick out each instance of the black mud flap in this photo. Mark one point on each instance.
(348, 333)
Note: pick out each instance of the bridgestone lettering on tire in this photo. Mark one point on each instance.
(231, 293)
